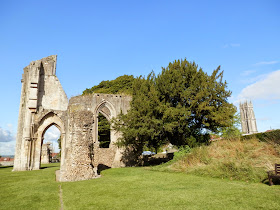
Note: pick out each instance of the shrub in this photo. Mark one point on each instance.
(271, 136)
(182, 151)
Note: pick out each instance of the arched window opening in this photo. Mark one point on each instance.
(104, 131)
(50, 151)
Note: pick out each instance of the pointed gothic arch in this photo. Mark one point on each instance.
(108, 111)
(44, 124)
(106, 108)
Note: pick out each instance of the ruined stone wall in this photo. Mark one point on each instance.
(44, 103)
(104, 157)
(110, 105)
(79, 142)
(83, 157)
(79, 147)
(20, 143)
(41, 90)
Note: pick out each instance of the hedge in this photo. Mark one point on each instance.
(270, 136)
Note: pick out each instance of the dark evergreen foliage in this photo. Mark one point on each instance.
(181, 105)
(103, 131)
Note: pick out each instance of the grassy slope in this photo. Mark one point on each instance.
(132, 188)
(234, 159)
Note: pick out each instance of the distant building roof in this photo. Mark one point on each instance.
(54, 154)
(269, 130)
(6, 159)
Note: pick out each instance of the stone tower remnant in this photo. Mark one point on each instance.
(248, 120)
(42, 98)
(46, 153)
(44, 103)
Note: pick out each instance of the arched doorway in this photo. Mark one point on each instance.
(48, 121)
(50, 150)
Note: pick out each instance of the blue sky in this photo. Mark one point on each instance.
(101, 40)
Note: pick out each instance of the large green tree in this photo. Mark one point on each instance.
(181, 105)
(142, 125)
(232, 131)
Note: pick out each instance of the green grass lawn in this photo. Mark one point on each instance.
(29, 189)
(132, 188)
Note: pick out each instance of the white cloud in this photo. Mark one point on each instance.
(248, 72)
(254, 79)
(10, 126)
(6, 135)
(266, 63)
(7, 141)
(7, 148)
(52, 134)
(266, 88)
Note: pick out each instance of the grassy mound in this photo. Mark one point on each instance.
(232, 159)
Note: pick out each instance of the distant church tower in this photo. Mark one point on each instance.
(248, 120)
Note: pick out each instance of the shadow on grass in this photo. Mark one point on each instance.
(265, 181)
(153, 160)
(1, 167)
(42, 167)
(102, 167)
(275, 181)
(45, 167)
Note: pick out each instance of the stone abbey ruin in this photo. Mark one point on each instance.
(44, 103)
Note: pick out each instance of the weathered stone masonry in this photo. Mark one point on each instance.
(44, 103)
(46, 153)
(248, 120)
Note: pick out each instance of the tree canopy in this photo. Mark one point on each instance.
(232, 131)
(181, 105)
(120, 85)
